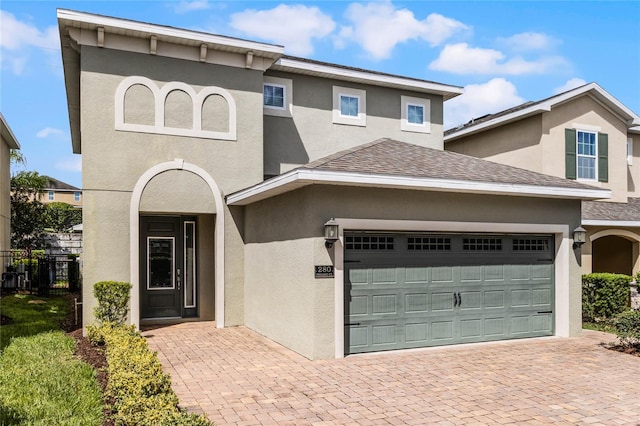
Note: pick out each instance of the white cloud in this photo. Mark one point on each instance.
(293, 26)
(378, 27)
(480, 99)
(50, 131)
(183, 7)
(460, 58)
(17, 37)
(16, 34)
(570, 84)
(528, 41)
(71, 164)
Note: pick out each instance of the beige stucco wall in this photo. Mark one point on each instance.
(538, 143)
(113, 161)
(61, 197)
(5, 200)
(633, 170)
(311, 134)
(516, 144)
(286, 303)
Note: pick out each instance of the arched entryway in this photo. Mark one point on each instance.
(615, 251)
(177, 222)
(612, 254)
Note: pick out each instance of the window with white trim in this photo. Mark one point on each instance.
(51, 196)
(587, 155)
(76, 197)
(277, 96)
(349, 106)
(415, 115)
(274, 95)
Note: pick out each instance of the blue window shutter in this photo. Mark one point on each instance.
(603, 157)
(570, 153)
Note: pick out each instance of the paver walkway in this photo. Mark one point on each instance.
(238, 377)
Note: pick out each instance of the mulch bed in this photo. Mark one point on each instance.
(92, 355)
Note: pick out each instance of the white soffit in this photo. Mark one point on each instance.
(137, 29)
(7, 134)
(302, 177)
(362, 76)
(593, 89)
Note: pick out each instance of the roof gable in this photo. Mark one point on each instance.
(529, 109)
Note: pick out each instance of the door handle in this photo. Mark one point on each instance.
(455, 299)
(178, 277)
(459, 299)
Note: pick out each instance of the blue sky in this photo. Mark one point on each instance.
(502, 53)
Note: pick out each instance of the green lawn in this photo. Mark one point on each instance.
(41, 381)
(30, 315)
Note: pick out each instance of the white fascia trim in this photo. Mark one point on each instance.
(498, 121)
(365, 77)
(633, 119)
(7, 134)
(594, 222)
(82, 19)
(306, 176)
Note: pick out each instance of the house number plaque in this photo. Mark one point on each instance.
(324, 271)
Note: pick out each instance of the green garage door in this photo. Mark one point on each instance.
(411, 290)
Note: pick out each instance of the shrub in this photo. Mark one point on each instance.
(141, 391)
(113, 301)
(627, 327)
(604, 295)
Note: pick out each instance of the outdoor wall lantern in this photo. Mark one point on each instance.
(330, 232)
(579, 237)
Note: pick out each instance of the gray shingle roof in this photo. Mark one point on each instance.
(59, 185)
(601, 210)
(394, 158)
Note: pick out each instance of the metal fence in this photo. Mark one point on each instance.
(44, 275)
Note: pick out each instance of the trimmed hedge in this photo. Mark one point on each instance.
(141, 391)
(604, 295)
(113, 301)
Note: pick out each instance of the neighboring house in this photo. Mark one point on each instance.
(8, 142)
(61, 192)
(584, 134)
(178, 130)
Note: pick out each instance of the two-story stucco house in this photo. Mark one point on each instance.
(584, 134)
(8, 142)
(213, 167)
(57, 191)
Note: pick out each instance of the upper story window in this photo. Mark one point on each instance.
(277, 96)
(349, 106)
(274, 96)
(76, 197)
(587, 165)
(415, 115)
(50, 196)
(587, 153)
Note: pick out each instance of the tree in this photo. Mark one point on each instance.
(59, 217)
(27, 211)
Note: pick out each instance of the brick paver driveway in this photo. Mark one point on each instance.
(238, 377)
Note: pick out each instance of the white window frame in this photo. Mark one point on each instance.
(361, 118)
(595, 156)
(76, 197)
(51, 196)
(630, 151)
(405, 125)
(287, 85)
